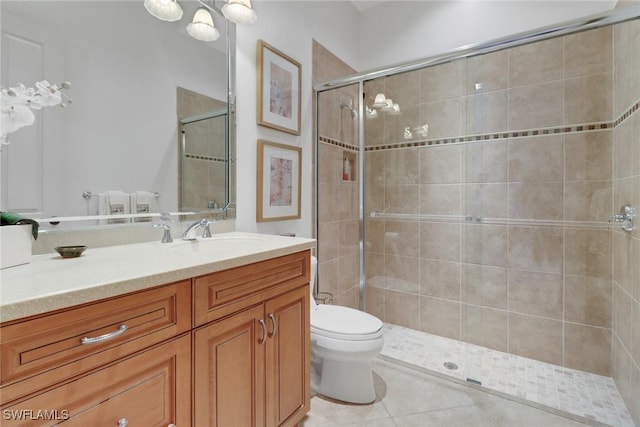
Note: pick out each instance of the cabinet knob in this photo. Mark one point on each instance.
(122, 422)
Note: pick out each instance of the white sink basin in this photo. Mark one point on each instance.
(228, 242)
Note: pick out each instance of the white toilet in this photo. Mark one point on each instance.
(343, 343)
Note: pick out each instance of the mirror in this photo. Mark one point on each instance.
(134, 80)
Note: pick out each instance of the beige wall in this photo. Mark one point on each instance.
(338, 230)
(626, 189)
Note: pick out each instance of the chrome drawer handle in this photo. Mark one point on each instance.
(264, 331)
(105, 337)
(275, 325)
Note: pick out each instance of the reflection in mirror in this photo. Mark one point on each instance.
(127, 69)
(204, 156)
(204, 165)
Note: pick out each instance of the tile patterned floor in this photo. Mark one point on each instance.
(407, 397)
(591, 396)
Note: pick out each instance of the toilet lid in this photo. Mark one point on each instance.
(345, 321)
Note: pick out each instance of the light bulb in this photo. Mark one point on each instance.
(201, 27)
(239, 11)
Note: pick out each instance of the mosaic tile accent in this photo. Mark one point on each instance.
(590, 127)
(587, 395)
(337, 143)
(492, 136)
(627, 113)
(208, 158)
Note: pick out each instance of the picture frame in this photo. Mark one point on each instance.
(278, 90)
(279, 175)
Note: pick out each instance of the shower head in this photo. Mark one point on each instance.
(354, 113)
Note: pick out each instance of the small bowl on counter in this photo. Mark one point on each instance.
(70, 251)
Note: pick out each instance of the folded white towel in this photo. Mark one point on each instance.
(143, 202)
(114, 203)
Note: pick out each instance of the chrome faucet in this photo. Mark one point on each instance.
(166, 236)
(192, 230)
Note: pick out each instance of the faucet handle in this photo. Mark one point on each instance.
(207, 231)
(166, 236)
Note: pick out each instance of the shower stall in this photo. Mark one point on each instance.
(204, 161)
(469, 202)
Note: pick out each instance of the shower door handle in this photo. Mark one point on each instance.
(627, 212)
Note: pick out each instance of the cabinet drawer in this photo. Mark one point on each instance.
(52, 346)
(149, 389)
(223, 293)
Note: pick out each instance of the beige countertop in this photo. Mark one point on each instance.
(50, 282)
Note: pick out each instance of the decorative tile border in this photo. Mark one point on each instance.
(627, 113)
(207, 158)
(498, 135)
(337, 143)
(590, 127)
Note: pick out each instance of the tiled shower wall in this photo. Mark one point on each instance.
(516, 137)
(626, 189)
(338, 229)
(202, 168)
(543, 132)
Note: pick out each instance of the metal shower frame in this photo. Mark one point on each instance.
(614, 16)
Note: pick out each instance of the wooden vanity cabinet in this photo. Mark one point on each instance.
(251, 364)
(228, 349)
(43, 350)
(151, 389)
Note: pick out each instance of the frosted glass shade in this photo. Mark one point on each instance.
(201, 27)
(165, 10)
(388, 105)
(380, 101)
(239, 11)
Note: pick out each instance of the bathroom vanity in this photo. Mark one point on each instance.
(213, 332)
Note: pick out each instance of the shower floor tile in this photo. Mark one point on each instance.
(593, 397)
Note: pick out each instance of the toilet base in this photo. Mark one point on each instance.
(346, 381)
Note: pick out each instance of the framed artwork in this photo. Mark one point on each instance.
(278, 90)
(278, 182)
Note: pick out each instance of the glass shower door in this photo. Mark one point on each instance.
(338, 197)
(204, 154)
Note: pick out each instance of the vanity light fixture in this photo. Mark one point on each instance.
(202, 27)
(165, 10)
(384, 104)
(379, 101)
(239, 11)
(388, 106)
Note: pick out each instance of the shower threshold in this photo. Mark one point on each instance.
(587, 397)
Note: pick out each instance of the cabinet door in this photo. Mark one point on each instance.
(287, 358)
(151, 388)
(229, 371)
